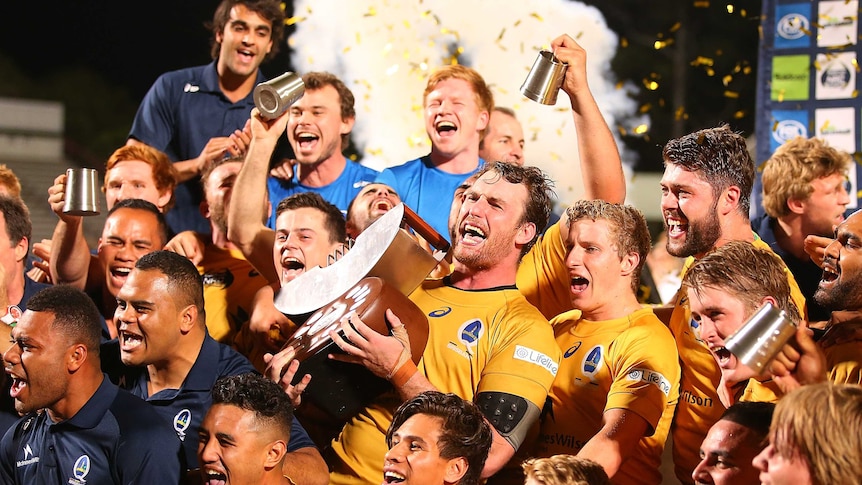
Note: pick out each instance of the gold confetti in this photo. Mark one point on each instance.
(855, 93)
(731, 94)
(710, 71)
(537, 16)
(621, 130)
(645, 108)
(675, 27)
(517, 23)
(701, 4)
(729, 8)
(651, 85)
(619, 85)
(308, 9)
(502, 32)
(353, 157)
(345, 50)
(726, 80)
(739, 114)
(702, 61)
(294, 20)
(372, 11)
(641, 129)
(374, 151)
(624, 42)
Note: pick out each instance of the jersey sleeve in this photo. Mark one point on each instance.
(524, 357)
(645, 372)
(387, 176)
(543, 278)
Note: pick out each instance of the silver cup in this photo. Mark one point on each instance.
(545, 78)
(275, 96)
(761, 337)
(82, 192)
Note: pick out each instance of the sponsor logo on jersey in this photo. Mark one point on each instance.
(190, 88)
(535, 357)
(650, 377)
(440, 312)
(572, 350)
(470, 332)
(593, 361)
(181, 423)
(82, 467)
(29, 459)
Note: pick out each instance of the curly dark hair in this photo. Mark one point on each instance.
(255, 393)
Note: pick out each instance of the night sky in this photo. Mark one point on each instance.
(129, 43)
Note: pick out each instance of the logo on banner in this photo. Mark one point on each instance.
(836, 76)
(792, 26)
(788, 130)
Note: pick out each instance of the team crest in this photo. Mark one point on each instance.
(593, 361)
(181, 423)
(470, 332)
(82, 468)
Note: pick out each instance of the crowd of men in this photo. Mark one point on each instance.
(159, 356)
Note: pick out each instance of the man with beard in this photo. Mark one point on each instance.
(230, 281)
(191, 113)
(318, 127)
(485, 341)
(706, 190)
(75, 422)
(804, 193)
(732, 444)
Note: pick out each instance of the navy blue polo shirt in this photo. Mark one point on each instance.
(180, 113)
(184, 408)
(8, 416)
(114, 438)
(806, 272)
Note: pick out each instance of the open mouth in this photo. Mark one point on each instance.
(381, 206)
(676, 227)
(579, 284)
(129, 341)
(306, 140)
(830, 271)
(393, 477)
(444, 127)
(18, 385)
(120, 274)
(722, 355)
(212, 477)
(473, 234)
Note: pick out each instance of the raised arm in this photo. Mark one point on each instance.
(70, 255)
(601, 166)
(245, 227)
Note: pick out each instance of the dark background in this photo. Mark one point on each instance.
(99, 57)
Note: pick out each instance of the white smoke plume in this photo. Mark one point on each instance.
(384, 49)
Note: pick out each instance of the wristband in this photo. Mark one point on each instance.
(13, 313)
(404, 373)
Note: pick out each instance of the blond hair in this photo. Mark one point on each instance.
(747, 273)
(790, 170)
(822, 425)
(564, 470)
